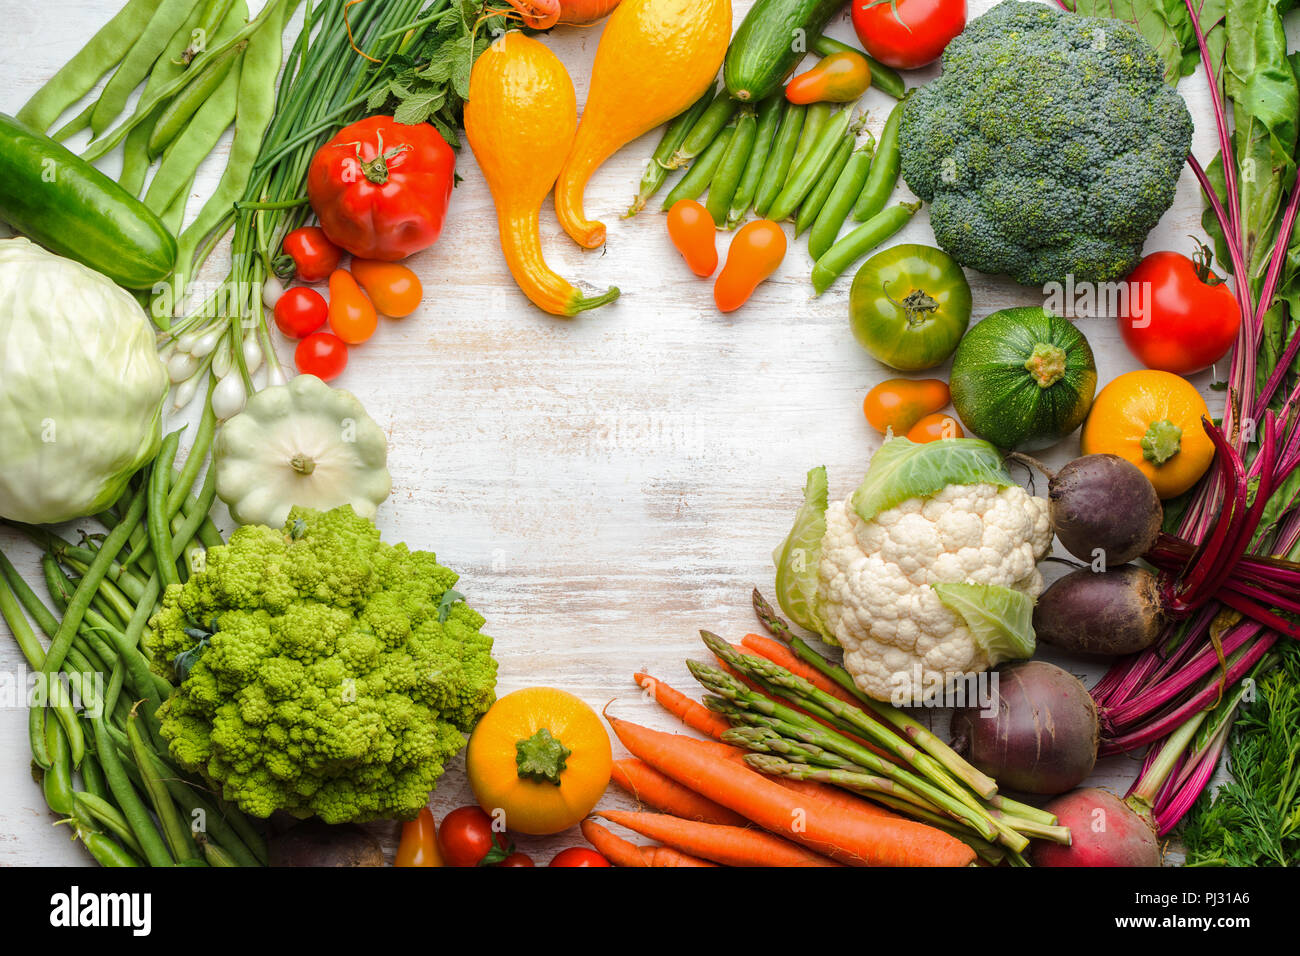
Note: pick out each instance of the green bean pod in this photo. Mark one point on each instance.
(106, 815)
(698, 177)
(883, 176)
(135, 66)
(859, 242)
(883, 78)
(840, 202)
(656, 172)
(818, 115)
(186, 104)
(813, 202)
(711, 122)
(805, 175)
(769, 119)
(79, 75)
(160, 536)
(73, 126)
(179, 838)
(726, 178)
(92, 777)
(778, 161)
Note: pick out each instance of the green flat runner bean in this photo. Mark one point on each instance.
(883, 176)
(726, 178)
(778, 161)
(79, 75)
(656, 172)
(840, 202)
(883, 78)
(705, 130)
(769, 119)
(813, 202)
(135, 66)
(859, 242)
(698, 177)
(814, 122)
(187, 102)
(804, 176)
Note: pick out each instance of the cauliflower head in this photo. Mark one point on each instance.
(926, 574)
(320, 671)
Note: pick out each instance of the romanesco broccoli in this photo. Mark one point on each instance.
(320, 670)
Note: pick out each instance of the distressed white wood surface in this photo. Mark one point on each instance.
(606, 486)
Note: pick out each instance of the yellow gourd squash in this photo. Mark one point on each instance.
(520, 122)
(1152, 419)
(655, 58)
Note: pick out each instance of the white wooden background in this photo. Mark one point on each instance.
(606, 486)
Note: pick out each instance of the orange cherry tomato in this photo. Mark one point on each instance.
(691, 229)
(899, 403)
(352, 314)
(419, 846)
(755, 253)
(838, 78)
(395, 290)
(933, 427)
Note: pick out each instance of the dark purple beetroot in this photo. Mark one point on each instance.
(1106, 613)
(1103, 501)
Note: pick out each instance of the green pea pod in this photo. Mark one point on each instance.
(188, 102)
(674, 135)
(883, 78)
(883, 176)
(100, 811)
(859, 242)
(705, 130)
(839, 204)
(698, 177)
(79, 75)
(92, 776)
(778, 161)
(135, 66)
(814, 122)
(804, 177)
(813, 202)
(727, 176)
(769, 119)
(56, 782)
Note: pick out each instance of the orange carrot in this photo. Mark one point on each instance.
(778, 653)
(692, 713)
(652, 788)
(856, 839)
(730, 846)
(622, 853)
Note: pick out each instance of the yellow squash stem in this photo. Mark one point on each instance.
(655, 58)
(520, 122)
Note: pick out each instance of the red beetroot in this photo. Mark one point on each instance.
(1104, 831)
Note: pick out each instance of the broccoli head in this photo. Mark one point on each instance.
(320, 671)
(1050, 145)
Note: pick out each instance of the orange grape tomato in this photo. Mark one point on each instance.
(395, 290)
(934, 427)
(691, 229)
(838, 78)
(419, 845)
(899, 403)
(755, 253)
(352, 314)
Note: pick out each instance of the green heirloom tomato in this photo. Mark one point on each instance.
(909, 306)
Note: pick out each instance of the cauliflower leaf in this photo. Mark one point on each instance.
(799, 556)
(999, 619)
(903, 469)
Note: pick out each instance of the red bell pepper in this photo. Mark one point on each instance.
(380, 188)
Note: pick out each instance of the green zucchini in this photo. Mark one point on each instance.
(1023, 378)
(772, 39)
(63, 203)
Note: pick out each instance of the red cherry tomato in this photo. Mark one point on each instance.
(578, 856)
(465, 837)
(516, 859)
(1175, 321)
(314, 256)
(906, 34)
(322, 354)
(300, 312)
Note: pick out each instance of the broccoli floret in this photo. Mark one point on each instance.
(318, 672)
(1050, 145)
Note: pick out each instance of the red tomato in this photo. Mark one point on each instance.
(465, 836)
(515, 859)
(578, 856)
(1175, 321)
(314, 256)
(300, 312)
(322, 354)
(906, 34)
(380, 188)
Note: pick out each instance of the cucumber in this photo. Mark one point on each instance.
(63, 203)
(772, 39)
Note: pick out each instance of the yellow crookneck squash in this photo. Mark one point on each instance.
(1152, 419)
(520, 121)
(655, 58)
(540, 756)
